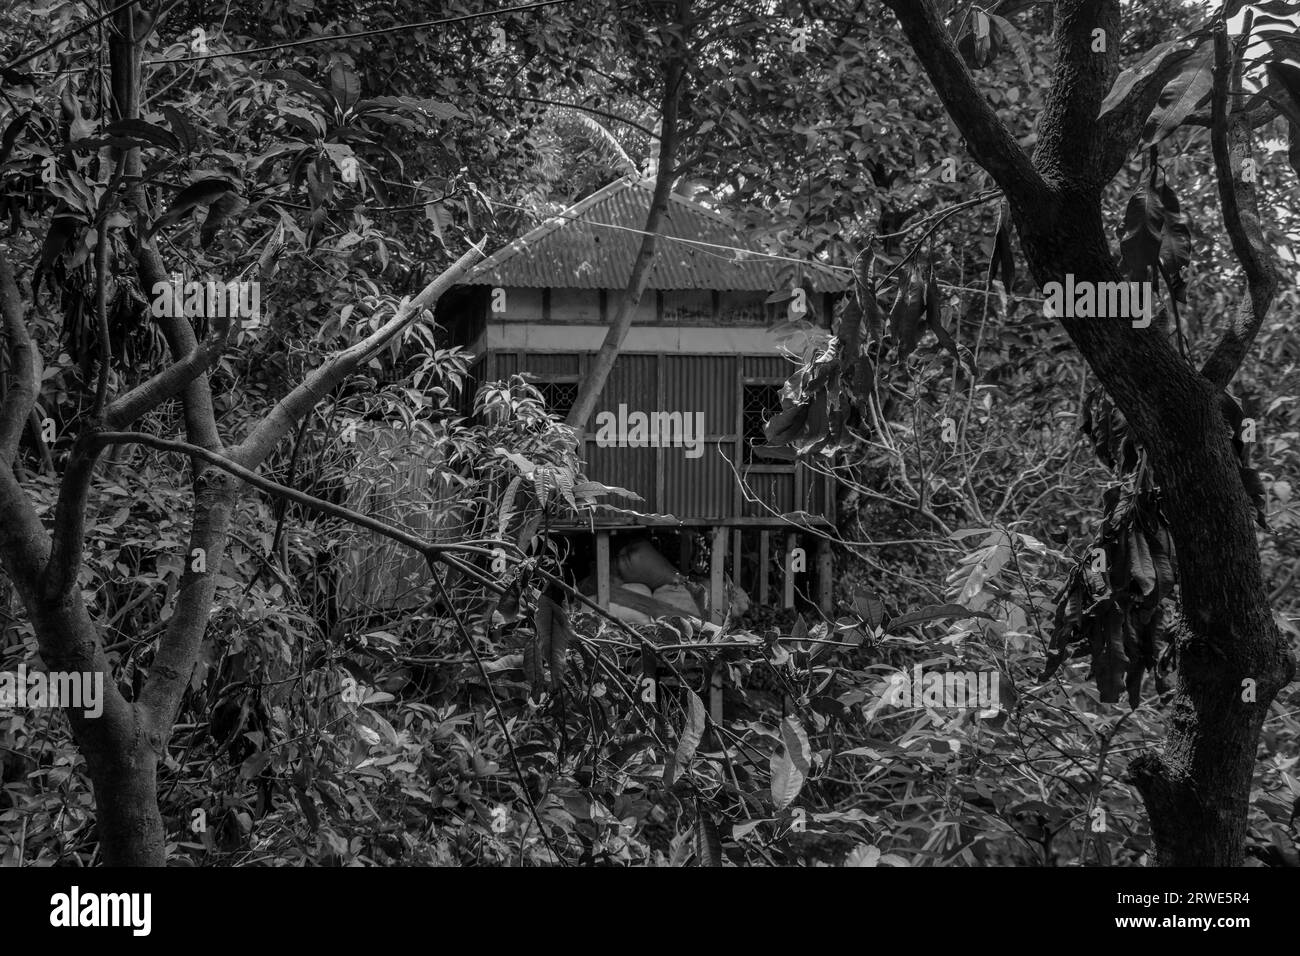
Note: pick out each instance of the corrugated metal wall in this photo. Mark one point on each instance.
(703, 488)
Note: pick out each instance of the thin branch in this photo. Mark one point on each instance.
(990, 142)
(299, 497)
(59, 41)
(497, 712)
(582, 109)
(1230, 141)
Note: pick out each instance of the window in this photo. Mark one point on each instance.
(558, 396)
(762, 401)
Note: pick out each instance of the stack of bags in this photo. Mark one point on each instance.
(639, 567)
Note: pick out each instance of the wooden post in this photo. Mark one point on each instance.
(602, 569)
(686, 542)
(764, 557)
(717, 596)
(787, 584)
(825, 571)
(735, 558)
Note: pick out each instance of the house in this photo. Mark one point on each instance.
(699, 372)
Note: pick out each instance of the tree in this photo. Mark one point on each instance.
(123, 745)
(1232, 658)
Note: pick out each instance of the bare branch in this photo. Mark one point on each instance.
(990, 142)
(1230, 141)
(200, 416)
(149, 395)
(321, 381)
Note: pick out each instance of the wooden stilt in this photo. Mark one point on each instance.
(787, 585)
(717, 569)
(717, 600)
(735, 557)
(764, 558)
(602, 569)
(825, 575)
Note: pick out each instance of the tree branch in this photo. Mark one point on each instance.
(990, 142)
(148, 395)
(1071, 152)
(321, 381)
(196, 396)
(1122, 126)
(232, 467)
(1230, 142)
(20, 395)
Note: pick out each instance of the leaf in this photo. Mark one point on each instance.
(868, 606)
(254, 765)
(434, 108)
(196, 194)
(559, 646)
(689, 741)
(1188, 90)
(1003, 264)
(708, 847)
(440, 218)
(863, 855)
(934, 321)
(268, 263)
(181, 128)
(145, 132)
(796, 743)
(1141, 565)
(1109, 660)
(345, 85)
(905, 318)
(11, 134)
(1159, 66)
(1287, 78)
(1011, 37)
(787, 425)
(1175, 244)
(221, 209)
(1142, 233)
(787, 780)
(937, 612)
(300, 84)
(1293, 145)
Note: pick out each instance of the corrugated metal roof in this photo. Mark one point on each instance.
(588, 246)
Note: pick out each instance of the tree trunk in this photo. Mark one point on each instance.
(674, 80)
(1196, 787)
(126, 802)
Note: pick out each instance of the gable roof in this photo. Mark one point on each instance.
(593, 243)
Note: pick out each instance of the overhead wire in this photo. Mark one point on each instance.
(288, 44)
